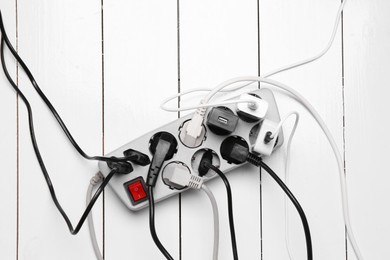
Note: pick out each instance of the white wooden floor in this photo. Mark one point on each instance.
(107, 64)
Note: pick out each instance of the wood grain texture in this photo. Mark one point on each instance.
(218, 40)
(140, 58)
(107, 64)
(60, 42)
(291, 31)
(366, 42)
(8, 143)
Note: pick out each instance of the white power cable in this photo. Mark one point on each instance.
(93, 182)
(321, 123)
(319, 55)
(178, 178)
(281, 123)
(286, 180)
(269, 74)
(163, 104)
(296, 64)
(216, 220)
(220, 88)
(204, 105)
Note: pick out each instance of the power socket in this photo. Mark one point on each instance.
(130, 188)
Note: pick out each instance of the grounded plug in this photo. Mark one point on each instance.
(207, 158)
(163, 146)
(178, 176)
(235, 150)
(194, 131)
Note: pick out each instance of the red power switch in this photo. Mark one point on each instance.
(137, 190)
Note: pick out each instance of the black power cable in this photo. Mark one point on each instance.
(153, 227)
(230, 207)
(48, 103)
(72, 230)
(163, 146)
(235, 150)
(5, 40)
(301, 213)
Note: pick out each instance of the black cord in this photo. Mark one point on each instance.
(306, 228)
(152, 225)
(230, 207)
(47, 101)
(72, 230)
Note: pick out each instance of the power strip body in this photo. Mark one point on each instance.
(185, 155)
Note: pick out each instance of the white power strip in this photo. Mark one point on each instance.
(131, 188)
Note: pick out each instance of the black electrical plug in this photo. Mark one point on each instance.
(235, 150)
(205, 162)
(163, 146)
(137, 157)
(222, 121)
(122, 167)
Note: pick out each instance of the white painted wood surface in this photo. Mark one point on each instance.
(290, 31)
(8, 153)
(367, 63)
(106, 65)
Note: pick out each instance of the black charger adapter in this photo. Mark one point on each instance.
(222, 121)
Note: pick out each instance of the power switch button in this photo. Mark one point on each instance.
(136, 190)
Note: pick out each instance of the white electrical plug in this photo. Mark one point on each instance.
(194, 132)
(178, 176)
(253, 110)
(264, 145)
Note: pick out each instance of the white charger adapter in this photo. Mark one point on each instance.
(254, 110)
(264, 145)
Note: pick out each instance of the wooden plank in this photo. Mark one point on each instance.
(61, 43)
(140, 51)
(8, 142)
(290, 31)
(366, 41)
(218, 41)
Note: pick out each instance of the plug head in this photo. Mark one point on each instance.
(137, 157)
(253, 111)
(122, 167)
(165, 137)
(234, 149)
(207, 157)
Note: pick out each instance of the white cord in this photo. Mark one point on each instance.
(319, 55)
(180, 179)
(309, 107)
(279, 126)
(321, 123)
(176, 109)
(286, 180)
(94, 181)
(216, 220)
(274, 72)
(216, 104)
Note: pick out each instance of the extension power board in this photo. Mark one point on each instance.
(131, 188)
